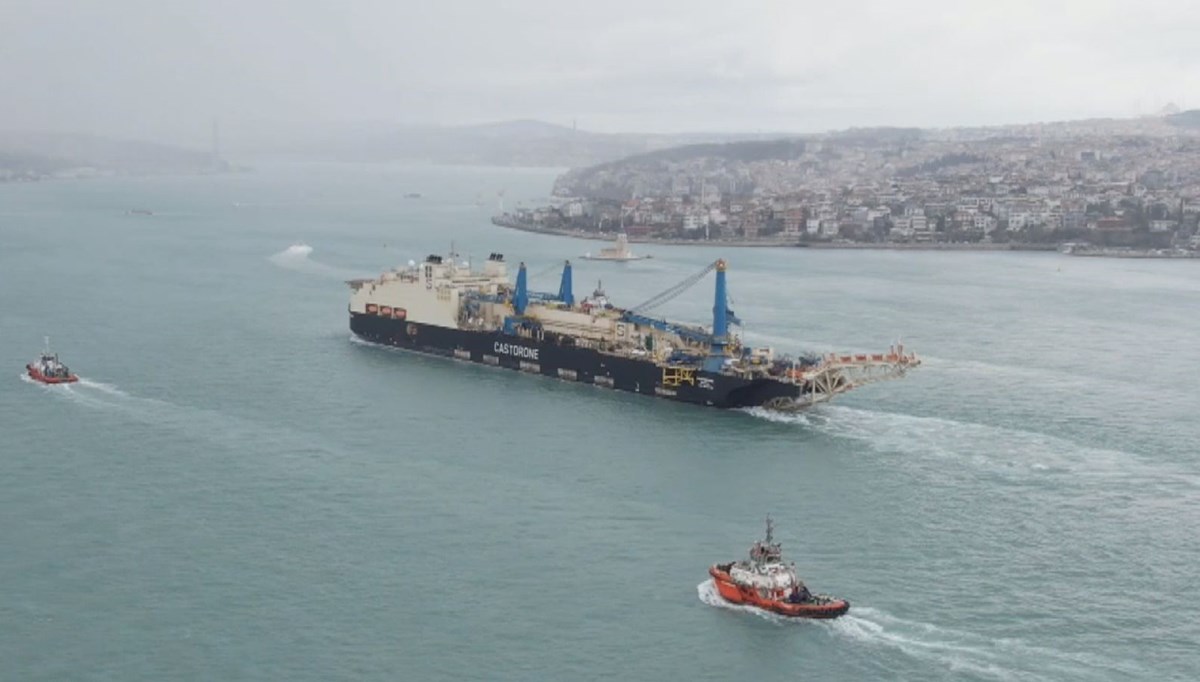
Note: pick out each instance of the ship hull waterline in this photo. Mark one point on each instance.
(733, 593)
(570, 363)
(36, 374)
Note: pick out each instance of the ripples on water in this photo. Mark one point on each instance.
(953, 650)
(234, 489)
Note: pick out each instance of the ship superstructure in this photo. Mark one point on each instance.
(444, 307)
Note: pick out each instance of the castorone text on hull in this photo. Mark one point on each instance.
(443, 307)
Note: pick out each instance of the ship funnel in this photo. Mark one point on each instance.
(521, 295)
(720, 327)
(564, 289)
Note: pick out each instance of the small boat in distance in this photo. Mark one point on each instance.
(767, 583)
(618, 252)
(49, 370)
(413, 195)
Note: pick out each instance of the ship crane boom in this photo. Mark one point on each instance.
(673, 292)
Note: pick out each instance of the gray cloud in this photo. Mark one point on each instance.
(162, 70)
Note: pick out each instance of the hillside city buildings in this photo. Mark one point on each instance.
(1108, 184)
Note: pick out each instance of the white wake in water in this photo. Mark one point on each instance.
(298, 257)
(102, 387)
(193, 422)
(808, 418)
(295, 252)
(91, 394)
(958, 651)
(968, 652)
(96, 394)
(1003, 451)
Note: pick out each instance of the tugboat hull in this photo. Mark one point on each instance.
(822, 608)
(36, 375)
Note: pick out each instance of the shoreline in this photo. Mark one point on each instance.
(1095, 252)
(1135, 254)
(777, 243)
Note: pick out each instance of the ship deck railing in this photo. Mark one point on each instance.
(859, 359)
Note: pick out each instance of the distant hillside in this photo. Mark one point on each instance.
(1185, 119)
(877, 135)
(655, 173)
(758, 150)
(781, 165)
(36, 154)
(510, 143)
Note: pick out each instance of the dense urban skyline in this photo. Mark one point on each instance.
(134, 68)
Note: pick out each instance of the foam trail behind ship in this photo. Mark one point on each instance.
(934, 442)
(102, 387)
(193, 422)
(960, 652)
(298, 257)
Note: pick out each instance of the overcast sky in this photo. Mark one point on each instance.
(162, 69)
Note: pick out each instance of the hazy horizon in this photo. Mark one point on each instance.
(272, 70)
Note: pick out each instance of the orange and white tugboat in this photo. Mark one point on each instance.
(766, 582)
(49, 370)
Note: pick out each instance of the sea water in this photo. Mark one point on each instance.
(239, 490)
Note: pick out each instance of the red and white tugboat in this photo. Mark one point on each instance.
(49, 370)
(766, 582)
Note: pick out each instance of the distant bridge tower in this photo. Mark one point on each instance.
(216, 139)
(216, 161)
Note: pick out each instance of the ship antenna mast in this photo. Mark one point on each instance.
(770, 530)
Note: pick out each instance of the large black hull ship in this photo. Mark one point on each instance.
(444, 308)
(570, 363)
